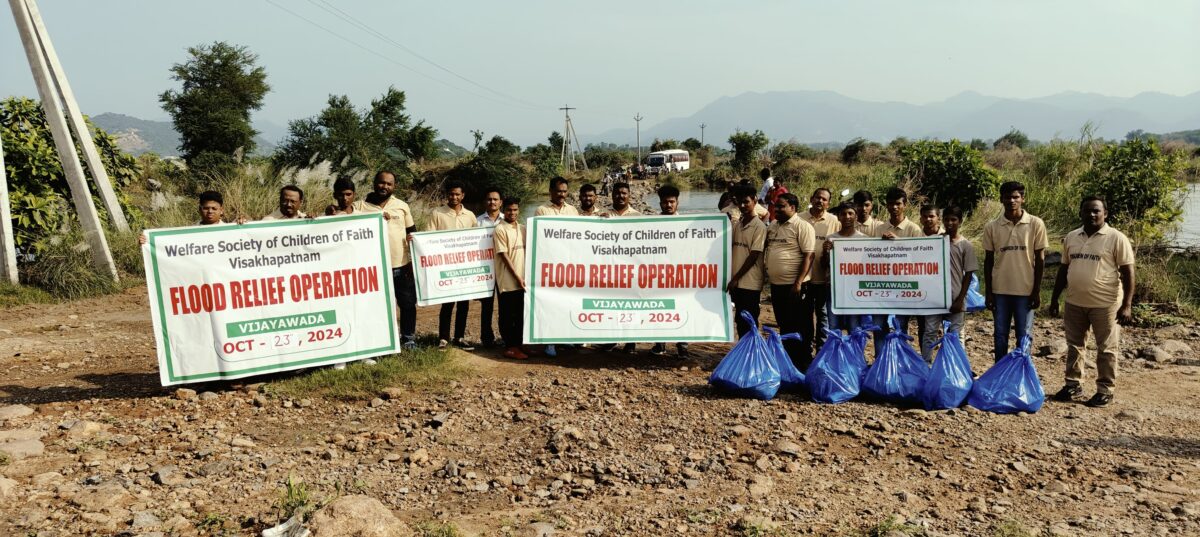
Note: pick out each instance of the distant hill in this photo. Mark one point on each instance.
(137, 136)
(822, 116)
(448, 149)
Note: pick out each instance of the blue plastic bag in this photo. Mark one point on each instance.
(899, 373)
(858, 338)
(748, 370)
(834, 375)
(791, 377)
(950, 380)
(1010, 386)
(975, 300)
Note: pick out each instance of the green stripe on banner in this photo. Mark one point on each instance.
(464, 272)
(281, 324)
(628, 304)
(887, 285)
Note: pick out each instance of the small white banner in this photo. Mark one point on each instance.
(453, 265)
(231, 301)
(628, 279)
(903, 276)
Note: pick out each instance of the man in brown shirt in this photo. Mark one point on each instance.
(788, 255)
(510, 278)
(400, 227)
(452, 215)
(1015, 244)
(557, 206)
(749, 238)
(1098, 275)
(587, 200)
(814, 318)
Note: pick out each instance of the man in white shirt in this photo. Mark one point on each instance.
(290, 200)
(768, 183)
(490, 217)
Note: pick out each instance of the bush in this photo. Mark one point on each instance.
(504, 173)
(63, 268)
(1138, 183)
(746, 146)
(947, 173)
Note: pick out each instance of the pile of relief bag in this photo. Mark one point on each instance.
(759, 368)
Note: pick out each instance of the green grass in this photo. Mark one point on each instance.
(423, 366)
(16, 295)
(438, 529)
(1012, 528)
(889, 526)
(293, 498)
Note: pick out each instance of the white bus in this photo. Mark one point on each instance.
(668, 160)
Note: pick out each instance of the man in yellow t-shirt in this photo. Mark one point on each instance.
(510, 278)
(749, 239)
(1098, 275)
(291, 198)
(813, 308)
(400, 227)
(897, 226)
(867, 223)
(557, 206)
(788, 252)
(452, 215)
(620, 202)
(1015, 244)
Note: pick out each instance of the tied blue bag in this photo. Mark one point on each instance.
(899, 373)
(790, 377)
(834, 375)
(858, 338)
(950, 380)
(1010, 386)
(975, 300)
(748, 370)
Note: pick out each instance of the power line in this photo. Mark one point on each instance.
(390, 59)
(338, 12)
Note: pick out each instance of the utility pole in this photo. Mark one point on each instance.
(702, 125)
(78, 126)
(637, 118)
(89, 219)
(8, 245)
(567, 158)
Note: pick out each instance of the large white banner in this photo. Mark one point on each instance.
(231, 301)
(904, 276)
(453, 265)
(628, 279)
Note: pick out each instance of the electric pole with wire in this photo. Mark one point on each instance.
(567, 158)
(702, 125)
(637, 118)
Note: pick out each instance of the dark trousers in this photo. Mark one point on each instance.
(460, 319)
(512, 317)
(745, 300)
(787, 315)
(486, 305)
(404, 286)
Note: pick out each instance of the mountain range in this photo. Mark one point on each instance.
(827, 116)
(137, 136)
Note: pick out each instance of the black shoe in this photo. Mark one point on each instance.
(462, 344)
(1100, 400)
(1068, 393)
(683, 353)
(658, 349)
(630, 348)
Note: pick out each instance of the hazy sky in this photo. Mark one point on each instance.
(615, 58)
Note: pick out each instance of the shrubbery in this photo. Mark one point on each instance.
(947, 173)
(1138, 181)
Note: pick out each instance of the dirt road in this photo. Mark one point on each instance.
(588, 444)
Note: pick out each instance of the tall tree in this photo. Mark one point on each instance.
(746, 146)
(381, 137)
(220, 85)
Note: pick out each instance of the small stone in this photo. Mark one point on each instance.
(1057, 487)
(1175, 347)
(213, 468)
(84, 429)
(761, 486)
(392, 393)
(209, 396)
(1019, 466)
(260, 401)
(1157, 354)
(377, 402)
(185, 394)
(439, 420)
(420, 456)
(787, 447)
(145, 520)
(168, 475)
(741, 430)
(1130, 415)
(664, 448)
(8, 487)
(23, 449)
(304, 403)
(242, 442)
(14, 411)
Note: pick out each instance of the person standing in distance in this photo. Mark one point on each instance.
(1098, 274)
(557, 206)
(1015, 244)
(452, 215)
(490, 217)
(788, 256)
(400, 226)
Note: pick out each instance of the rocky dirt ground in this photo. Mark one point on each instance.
(587, 444)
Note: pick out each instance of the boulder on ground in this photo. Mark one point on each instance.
(357, 516)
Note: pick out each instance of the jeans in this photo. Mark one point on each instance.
(486, 306)
(1010, 309)
(512, 317)
(788, 316)
(460, 309)
(933, 327)
(404, 286)
(745, 300)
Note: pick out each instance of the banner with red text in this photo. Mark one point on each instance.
(902, 276)
(453, 265)
(231, 301)
(629, 279)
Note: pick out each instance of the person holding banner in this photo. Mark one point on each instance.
(788, 257)
(1098, 274)
(668, 202)
(1015, 244)
(557, 206)
(400, 229)
(865, 207)
(212, 210)
(815, 303)
(453, 215)
(509, 240)
(620, 202)
(490, 217)
(587, 200)
(963, 264)
(848, 228)
(290, 200)
(897, 226)
(343, 197)
(749, 240)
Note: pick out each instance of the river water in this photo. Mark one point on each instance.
(1189, 231)
(690, 202)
